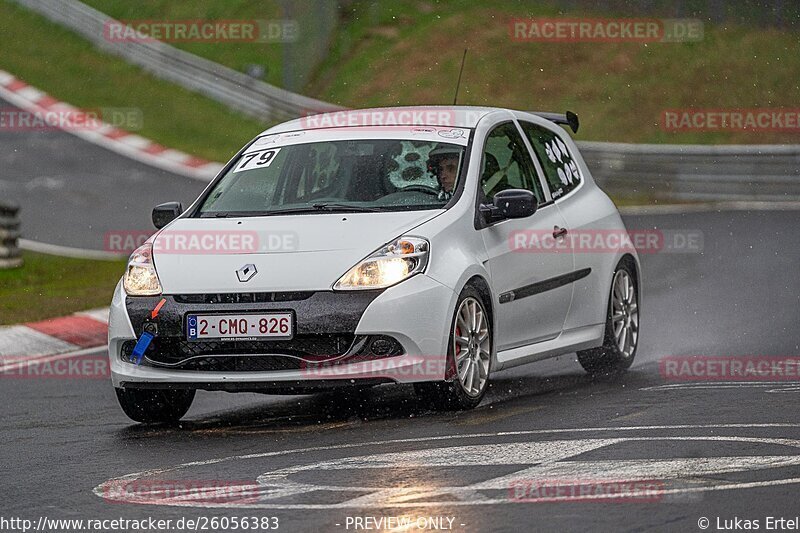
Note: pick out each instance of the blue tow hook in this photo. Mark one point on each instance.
(141, 346)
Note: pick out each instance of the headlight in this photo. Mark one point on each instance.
(140, 276)
(391, 264)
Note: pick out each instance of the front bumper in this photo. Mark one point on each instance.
(331, 347)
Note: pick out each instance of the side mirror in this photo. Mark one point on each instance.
(510, 203)
(516, 203)
(165, 213)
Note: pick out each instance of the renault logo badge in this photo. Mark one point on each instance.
(246, 273)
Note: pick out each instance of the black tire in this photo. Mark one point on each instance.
(155, 406)
(452, 394)
(610, 359)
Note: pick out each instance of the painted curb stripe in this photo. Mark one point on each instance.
(87, 329)
(123, 142)
(16, 341)
(81, 331)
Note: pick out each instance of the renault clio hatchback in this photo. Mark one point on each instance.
(431, 246)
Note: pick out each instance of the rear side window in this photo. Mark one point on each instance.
(560, 168)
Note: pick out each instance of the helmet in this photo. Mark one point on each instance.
(443, 151)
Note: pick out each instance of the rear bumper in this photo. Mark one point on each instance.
(415, 313)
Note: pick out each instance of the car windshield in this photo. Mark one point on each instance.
(346, 175)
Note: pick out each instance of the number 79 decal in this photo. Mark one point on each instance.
(259, 159)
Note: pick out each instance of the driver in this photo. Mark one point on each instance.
(443, 163)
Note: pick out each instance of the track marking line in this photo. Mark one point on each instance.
(550, 458)
(22, 363)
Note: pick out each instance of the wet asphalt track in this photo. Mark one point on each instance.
(711, 452)
(88, 190)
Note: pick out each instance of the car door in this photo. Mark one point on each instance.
(562, 177)
(528, 269)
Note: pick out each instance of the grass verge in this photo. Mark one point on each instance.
(69, 68)
(409, 52)
(234, 54)
(48, 286)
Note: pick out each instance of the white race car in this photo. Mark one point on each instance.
(431, 246)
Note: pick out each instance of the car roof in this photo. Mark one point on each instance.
(435, 115)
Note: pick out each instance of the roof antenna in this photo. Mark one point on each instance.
(458, 84)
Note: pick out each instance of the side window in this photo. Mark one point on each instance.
(559, 166)
(507, 163)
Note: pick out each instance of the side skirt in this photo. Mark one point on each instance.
(569, 341)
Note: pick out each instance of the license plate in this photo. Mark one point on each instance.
(249, 326)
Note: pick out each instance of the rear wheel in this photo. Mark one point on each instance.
(155, 406)
(622, 328)
(469, 356)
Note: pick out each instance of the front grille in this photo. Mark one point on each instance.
(250, 363)
(243, 297)
(304, 351)
(174, 350)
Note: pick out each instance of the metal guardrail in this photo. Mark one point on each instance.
(695, 172)
(237, 90)
(665, 172)
(10, 255)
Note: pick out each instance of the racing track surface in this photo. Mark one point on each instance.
(72, 192)
(710, 451)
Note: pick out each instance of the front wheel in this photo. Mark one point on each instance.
(155, 406)
(469, 357)
(622, 328)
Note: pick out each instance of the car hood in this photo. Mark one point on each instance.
(290, 252)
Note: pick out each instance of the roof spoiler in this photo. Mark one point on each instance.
(569, 118)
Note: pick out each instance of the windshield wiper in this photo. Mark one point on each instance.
(331, 206)
(313, 208)
(316, 208)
